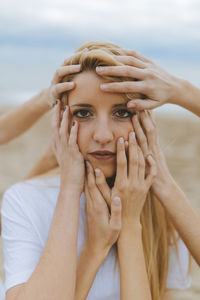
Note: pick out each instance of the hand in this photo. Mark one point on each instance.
(102, 227)
(148, 140)
(131, 182)
(56, 88)
(152, 81)
(66, 149)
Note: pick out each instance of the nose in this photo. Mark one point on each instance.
(103, 133)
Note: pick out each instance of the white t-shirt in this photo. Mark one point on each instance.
(27, 212)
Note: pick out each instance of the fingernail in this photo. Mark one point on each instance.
(117, 200)
(121, 140)
(132, 135)
(70, 84)
(77, 67)
(150, 157)
(87, 163)
(103, 86)
(99, 69)
(54, 104)
(131, 104)
(74, 122)
(97, 172)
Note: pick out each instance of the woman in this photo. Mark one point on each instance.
(45, 226)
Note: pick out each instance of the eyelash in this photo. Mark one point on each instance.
(75, 113)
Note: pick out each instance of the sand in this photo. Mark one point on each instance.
(180, 139)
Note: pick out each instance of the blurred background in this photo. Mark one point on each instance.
(37, 35)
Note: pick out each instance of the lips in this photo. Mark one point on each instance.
(105, 152)
(103, 155)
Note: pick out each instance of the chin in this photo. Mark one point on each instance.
(108, 170)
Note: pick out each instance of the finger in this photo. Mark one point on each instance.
(64, 125)
(63, 71)
(122, 71)
(121, 172)
(137, 55)
(89, 204)
(152, 172)
(141, 138)
(55, 118)
(123, 87)
(133, 157)
(143, 104)
(73, 133)
(103, 186)
(115, 219)
(131, 61)
(149, 129)
(59, 88)
(141, 164)
(96, 196)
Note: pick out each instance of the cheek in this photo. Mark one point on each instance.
(83, 139)
(123, 130)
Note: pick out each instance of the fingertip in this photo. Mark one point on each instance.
(116, 201)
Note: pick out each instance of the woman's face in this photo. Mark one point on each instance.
(102, 117)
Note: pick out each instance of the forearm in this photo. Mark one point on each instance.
(55, 274)
(46, 163)
(87, 268)
(134, 282)
(183, 216)
(186, 95)
(20, 119)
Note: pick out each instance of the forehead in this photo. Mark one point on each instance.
(88, 90)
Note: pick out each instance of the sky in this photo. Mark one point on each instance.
(37, 35)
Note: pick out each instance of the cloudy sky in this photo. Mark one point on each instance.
(36, 35)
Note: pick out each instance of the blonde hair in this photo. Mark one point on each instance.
(157, 230)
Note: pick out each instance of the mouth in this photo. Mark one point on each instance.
(103, 155)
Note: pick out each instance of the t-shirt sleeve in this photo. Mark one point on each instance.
(178, 269)
(22, 247)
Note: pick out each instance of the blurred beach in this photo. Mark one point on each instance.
(180, 140)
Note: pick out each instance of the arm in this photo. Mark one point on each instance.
(23, 117)
(57, 264)
(87, 268)
(154, 82)
(46, 163)
(134, 282)
(102, 230)
(183, 216)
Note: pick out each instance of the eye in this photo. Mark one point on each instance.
(82, 113)
(123, 113)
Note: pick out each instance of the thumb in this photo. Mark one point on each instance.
(145, 104)
(115, 219)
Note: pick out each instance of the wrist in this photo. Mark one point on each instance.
(69, 190)
(42, 99)
(182, 92)
(166, 191)
(94, 254)
(129, 230)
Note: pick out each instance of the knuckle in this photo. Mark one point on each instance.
(122, 163)
(57, 73)
(116, 227)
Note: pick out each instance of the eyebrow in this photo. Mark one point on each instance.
(89, 105)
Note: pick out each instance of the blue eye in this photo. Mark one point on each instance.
(123, 113)
(81, 113)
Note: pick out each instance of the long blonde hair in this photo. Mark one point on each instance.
(157, 230)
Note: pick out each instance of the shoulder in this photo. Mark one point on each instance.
(34, 194)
